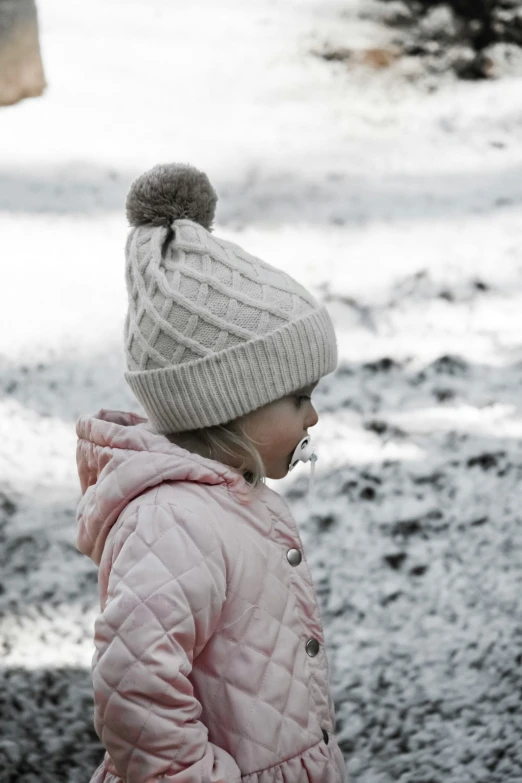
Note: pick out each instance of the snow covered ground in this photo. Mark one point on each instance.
(400, 209)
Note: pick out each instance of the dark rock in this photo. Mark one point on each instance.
(432, 478)
(390, 597)
(381, 365)
(406, 527)
(324, 522)
(376, 426)
(367, 493)
(486, 460)
(443, 395)
(7, 506)
(395, 559)
(479, 521)
(371, 477)
(452, 365)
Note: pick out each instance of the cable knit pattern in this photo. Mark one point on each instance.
(212, 332)
(201, 673)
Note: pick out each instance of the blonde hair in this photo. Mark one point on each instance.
(224, 441)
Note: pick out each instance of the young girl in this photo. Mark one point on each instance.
(210, 664)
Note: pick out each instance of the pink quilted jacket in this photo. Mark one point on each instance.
(209, 664)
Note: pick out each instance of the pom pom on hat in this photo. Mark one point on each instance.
(171, 192)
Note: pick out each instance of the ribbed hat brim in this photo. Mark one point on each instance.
(231, 383)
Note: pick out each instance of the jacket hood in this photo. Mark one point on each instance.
(119, 457)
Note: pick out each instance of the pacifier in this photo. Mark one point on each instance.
(304, 452)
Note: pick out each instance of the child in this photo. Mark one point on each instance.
(209, 663)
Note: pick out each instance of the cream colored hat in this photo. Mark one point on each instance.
(211, 332)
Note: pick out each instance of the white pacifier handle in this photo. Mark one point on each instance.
(304, 452)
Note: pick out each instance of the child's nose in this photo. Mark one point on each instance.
(312, 418)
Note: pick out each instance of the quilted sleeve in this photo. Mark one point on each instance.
(165, 594)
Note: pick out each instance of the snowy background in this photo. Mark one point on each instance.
(399, 206)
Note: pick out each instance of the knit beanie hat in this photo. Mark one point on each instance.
(211, 332)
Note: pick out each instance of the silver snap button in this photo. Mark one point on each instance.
(312, 647)
(294, 557)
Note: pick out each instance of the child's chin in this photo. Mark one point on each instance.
(278, 472)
